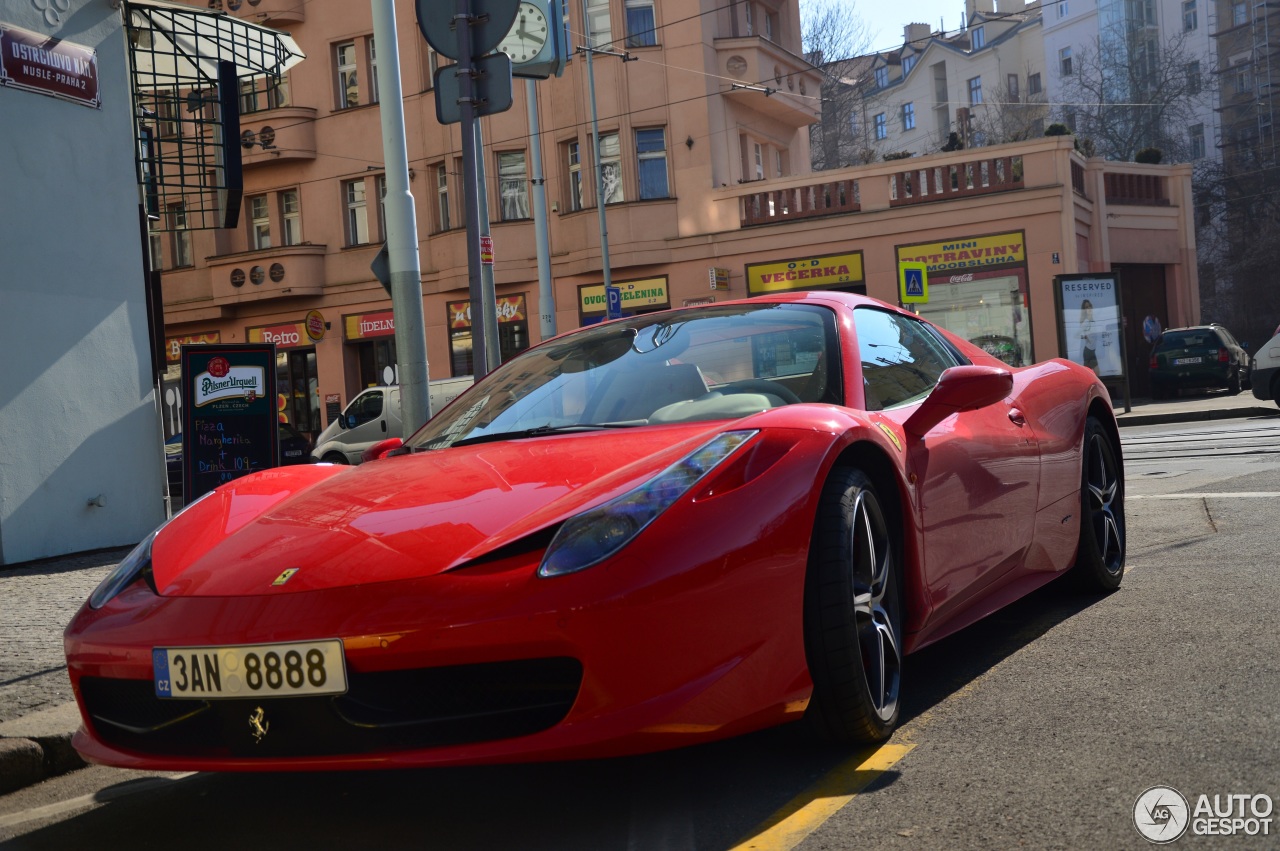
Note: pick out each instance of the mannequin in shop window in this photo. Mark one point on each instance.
(1088, 339)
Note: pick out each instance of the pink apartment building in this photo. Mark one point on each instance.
(708, 191)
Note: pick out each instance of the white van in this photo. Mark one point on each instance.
(374, 415)
(1266, 371)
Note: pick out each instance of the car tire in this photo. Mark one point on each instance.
(1100, 556)
(1233, 383)
(334, 458)
(853, 615)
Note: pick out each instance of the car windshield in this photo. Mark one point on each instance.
(677, 366)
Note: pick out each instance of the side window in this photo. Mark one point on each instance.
(366, 408)
(902, 358)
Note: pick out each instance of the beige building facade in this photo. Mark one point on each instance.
(709, 195)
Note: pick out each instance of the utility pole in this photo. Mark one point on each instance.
(546, 289)
(402, 230)
(595, 142)
(488, 317)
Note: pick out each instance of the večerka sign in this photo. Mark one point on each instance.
(48, 66)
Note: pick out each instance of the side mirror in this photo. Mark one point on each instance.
(380, 449)
(961, 388)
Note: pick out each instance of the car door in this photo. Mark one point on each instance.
(366, 423)
(976, 473)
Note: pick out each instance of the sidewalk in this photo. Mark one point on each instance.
(37, 717)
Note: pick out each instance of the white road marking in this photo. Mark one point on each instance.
(102, 796)
(1241, 495)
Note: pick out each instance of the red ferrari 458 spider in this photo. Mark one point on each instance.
(641, 534)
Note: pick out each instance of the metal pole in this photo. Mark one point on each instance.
(470, 192)
(595, 141)
(402, 230)
(489, 313)
(546, 291)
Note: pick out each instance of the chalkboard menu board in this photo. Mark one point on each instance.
(229, 419)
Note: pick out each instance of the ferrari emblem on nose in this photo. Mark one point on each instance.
(284, 577)
(257, 725)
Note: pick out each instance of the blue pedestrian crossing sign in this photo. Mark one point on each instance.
(913, 283)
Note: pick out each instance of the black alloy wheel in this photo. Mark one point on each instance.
(1100, 558)
(853, 615)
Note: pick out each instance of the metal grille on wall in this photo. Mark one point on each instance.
(186, 64)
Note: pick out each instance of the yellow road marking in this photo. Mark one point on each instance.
(805, 813)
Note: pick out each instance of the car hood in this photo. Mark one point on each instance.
(402, 517)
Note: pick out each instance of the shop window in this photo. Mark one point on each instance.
(290, 217)
(988, 312)
(377, 360)
(651, 156)
(298, 384)
(348, 75)
(259, 223)
(357, 212)
(513, 186)
(513, 333)
(641, 31)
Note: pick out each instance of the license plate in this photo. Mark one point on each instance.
(1181, 361)
(250, 670)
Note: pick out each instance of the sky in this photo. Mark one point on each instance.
(884, 19)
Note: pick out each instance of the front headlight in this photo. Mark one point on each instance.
(133, 564)
(593, 536)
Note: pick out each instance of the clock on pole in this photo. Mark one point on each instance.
(537, 41)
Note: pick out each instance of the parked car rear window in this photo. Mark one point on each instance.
(1187, 340)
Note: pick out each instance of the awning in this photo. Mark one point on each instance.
(170, 41)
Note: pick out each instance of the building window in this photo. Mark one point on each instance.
(262, 93)
(290, 217)
(1193, 78)
(651, 156)
(1196, 134)
(1239, 14)
(442, 197)
(513, 186)
(882, 78)
(1033, 84)
(979, 38)
(975, 91)
(1011, 83)
(908, 116)
(882, 129)
(908, 62)
(1062, 8)
(259, 222)
(574, 153)
(779, 167)
(157, 248)
(373, 72)
(599, 30)
(611, 168)
(757, 160)
(1064, 61)
(1190, 20)
(751, 25)
(357, 213)
(1240, 78)
(641, 31)
(348, 87)
(380, 185)
(771, 28)
(182, 254)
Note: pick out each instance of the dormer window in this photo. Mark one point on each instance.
(882, 78)
(979, 38)
(908, 62)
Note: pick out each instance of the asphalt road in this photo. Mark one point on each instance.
(1037, 728)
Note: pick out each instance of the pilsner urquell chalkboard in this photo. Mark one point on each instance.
(229, 419)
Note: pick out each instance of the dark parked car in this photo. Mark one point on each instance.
(295, 448)
(1201, 356)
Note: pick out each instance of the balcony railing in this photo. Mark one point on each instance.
(800, 202)
(1124, 188)
(956, 180)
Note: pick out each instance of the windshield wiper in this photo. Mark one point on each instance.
(540, 431)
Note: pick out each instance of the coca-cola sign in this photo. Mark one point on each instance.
(49, 66)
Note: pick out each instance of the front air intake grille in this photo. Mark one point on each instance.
(389, 710)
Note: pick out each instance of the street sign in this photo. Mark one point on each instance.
(613, 302)
(913, 283)
(486, 249)
(491, 21)
(491, 88)
(381, 267)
